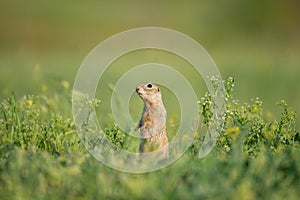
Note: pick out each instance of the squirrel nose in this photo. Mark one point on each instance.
(137, 89)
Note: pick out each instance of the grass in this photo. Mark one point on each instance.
(41, 156)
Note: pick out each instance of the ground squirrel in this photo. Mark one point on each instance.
(153, 121)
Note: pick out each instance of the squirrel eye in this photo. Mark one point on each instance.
(149, 85)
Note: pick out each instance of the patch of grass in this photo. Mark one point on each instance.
(246, 124)
(41, 156)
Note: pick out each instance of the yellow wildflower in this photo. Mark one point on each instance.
(196, 135)
(232, 130)
(65, 84)
(254, 110)
(30, 102)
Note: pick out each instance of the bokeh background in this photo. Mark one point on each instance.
(256, 42)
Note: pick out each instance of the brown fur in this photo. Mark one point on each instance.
(153, 121)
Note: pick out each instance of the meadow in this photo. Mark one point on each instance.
(42, 157)
(42, 45)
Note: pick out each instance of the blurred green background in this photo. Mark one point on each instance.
(256, 42)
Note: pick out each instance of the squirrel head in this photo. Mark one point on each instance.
(149, 93)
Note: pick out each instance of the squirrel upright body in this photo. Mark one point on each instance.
(153, 121)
